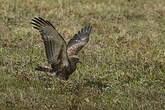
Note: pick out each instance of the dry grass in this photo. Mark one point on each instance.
(123, 65)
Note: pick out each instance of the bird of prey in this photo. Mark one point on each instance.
(60, 55)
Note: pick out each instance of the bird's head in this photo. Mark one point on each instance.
(75, 60)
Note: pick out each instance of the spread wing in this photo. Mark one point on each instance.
(78, 41)
(55, 45)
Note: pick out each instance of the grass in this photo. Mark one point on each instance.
(123, 64)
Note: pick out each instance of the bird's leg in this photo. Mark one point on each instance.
(43, 68)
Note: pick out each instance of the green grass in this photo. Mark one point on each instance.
(123, 64)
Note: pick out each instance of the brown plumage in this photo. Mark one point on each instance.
(60, 55)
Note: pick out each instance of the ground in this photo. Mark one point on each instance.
(123, 63)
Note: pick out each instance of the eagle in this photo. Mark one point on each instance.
(61, 56)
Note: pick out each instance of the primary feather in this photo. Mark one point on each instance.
(78, 41)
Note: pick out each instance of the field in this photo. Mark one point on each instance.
(123, 64)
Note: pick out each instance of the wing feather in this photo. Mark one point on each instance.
(78, 41)
(53, 41)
